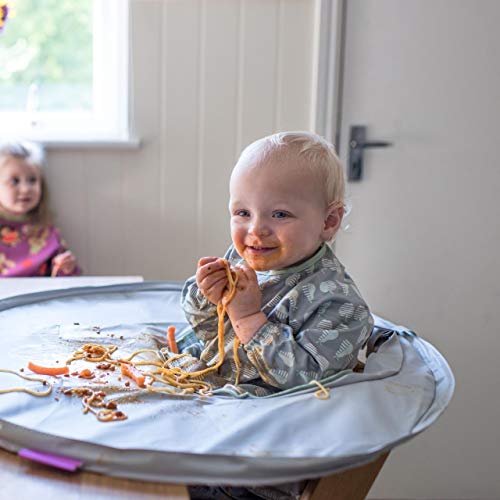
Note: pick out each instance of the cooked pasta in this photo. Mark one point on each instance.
(167, 378)
(24, 389)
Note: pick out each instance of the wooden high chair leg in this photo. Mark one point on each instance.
(351, 484)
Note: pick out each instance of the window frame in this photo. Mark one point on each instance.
(109, 121)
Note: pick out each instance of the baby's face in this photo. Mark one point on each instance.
(277, 214)
(20, 186)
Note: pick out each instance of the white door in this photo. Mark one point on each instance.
(424, 236)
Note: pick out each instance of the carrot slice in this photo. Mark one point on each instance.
(171, 342)
(132, 372)
(48, 370)
(86, 374)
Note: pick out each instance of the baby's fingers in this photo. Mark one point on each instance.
(246, 275)
(208, 268)
(248, 272)
(213, 289)
(217, 290)
(208, 281)
(206, 260)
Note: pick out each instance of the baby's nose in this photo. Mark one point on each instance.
(259, 228)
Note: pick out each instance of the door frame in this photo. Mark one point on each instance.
(329, 31)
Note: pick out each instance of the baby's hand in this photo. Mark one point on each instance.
(211, 278)
(64, 262)
(244, 309)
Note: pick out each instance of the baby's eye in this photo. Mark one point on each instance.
(242, 213)
(280, 214)
(32, 180)
(14, 181)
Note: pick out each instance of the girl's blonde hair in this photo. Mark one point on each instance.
(34, 154)
(317, 152)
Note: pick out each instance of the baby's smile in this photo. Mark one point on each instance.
(260, 249)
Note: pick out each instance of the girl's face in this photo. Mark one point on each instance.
(20, 186)
(278, 215)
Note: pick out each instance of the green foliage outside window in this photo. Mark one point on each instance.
(46, 45)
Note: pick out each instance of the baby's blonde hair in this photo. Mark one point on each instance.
(34, 154)
(318, 153)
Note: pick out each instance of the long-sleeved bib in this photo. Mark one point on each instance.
(317, 321)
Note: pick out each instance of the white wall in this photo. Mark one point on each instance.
(208, 78)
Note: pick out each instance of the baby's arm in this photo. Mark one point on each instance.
(327, 342)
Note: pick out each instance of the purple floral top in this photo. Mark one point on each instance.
(27, 249)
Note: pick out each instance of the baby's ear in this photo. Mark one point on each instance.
(333, 219)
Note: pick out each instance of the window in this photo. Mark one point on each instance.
(64, 70)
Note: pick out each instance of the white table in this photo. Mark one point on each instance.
(26, 479)
(10, 287)
(34, 481)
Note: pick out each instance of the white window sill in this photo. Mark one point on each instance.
(97, 143)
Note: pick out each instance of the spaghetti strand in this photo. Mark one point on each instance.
(24, 389)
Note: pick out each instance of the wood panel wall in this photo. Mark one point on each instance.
(208, 77)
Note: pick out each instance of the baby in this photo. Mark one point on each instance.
(29, 243)
(297, 313)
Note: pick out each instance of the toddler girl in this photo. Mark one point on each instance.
(29, 244)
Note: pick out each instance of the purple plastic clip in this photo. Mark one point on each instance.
(57, 461)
